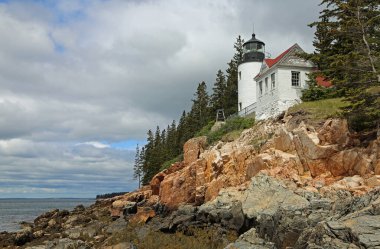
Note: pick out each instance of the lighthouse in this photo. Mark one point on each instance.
(249, 67)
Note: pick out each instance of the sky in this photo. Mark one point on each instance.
(81, 81)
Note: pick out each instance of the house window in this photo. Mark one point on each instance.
(273, 80)
(261, 87)
(266, 84)
(295, 78)
(240, 75)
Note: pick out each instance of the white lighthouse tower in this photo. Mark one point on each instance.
(249, 67)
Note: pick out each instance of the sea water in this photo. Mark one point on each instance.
(14, 211)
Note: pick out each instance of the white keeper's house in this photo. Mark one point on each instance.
(268, 86)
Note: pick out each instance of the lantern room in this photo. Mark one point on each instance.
(253, 50)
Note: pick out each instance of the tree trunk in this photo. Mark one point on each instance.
(369, 52)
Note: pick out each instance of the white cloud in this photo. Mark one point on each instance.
(95, 144)
(73, 73)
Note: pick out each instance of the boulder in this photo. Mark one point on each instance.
(179, 187)
(334, 131)
(193, 148)
(156, 182)
(283, 140)
(266, 195)
(116, 226)
(143, 215)
(251, 240)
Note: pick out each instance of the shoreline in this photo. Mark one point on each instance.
(16, 211)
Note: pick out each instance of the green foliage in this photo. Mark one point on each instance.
(347, 42)
(321, 109)
(169, 163)
(218, 100)
(205, 129)
(231, 94)
(315, 92)
(200, 111)
(237, 124)
(139, 164)
(163, 146)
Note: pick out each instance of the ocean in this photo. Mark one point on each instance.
(13, 211)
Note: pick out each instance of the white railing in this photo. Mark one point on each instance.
(247, 110)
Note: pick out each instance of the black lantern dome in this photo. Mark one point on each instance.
(253, 50)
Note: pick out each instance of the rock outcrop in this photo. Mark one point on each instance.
(281, 184)
(314, 158)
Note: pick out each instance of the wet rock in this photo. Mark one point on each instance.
(79, 208)
(23, 237)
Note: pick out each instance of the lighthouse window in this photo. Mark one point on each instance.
(260, 47)
(261, 87)
(266, 84)
(240, 75)
(273, 80)
(295, 78)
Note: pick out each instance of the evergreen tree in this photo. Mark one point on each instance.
(182, 132)
(217, 100)
(347, 42)
(171, 144)
(231, 96)
(148, 159)
(200, 111)
(168, 144)
(138, 166)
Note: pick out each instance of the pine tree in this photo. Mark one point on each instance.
(217, 100)
(171, 144)
(148, 159)
(231, 96)
(182, 132)
(200, 111)
(138, 166)
(347, 42)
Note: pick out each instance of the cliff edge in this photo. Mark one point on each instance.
(283, 183)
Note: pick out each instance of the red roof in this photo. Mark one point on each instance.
(321, 81)
(271, 62)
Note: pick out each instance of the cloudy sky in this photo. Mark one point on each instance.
(81, 81)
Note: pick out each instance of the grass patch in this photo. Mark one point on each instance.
(229, 131)
(169, 163)
(205, 129)
(320, 109)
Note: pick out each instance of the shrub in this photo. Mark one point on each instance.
(231, 126)
(169, 163)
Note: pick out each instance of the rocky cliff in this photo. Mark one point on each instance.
(282, 184)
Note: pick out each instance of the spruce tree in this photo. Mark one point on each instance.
(217, 100)
(200, 111)
(148, 167)
(138, 166)
(347, 42)
(231, 96)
